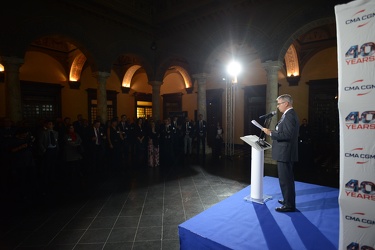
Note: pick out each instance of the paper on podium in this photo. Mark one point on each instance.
(257, 124)
(255, 142)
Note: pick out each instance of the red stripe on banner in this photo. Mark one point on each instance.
(359, 12)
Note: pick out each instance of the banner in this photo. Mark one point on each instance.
(355, 23)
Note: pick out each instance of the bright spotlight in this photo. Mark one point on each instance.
(234, 68)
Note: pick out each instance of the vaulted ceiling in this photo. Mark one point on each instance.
(187, 28)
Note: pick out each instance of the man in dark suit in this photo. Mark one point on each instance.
(48, 147)
(201, 131)
(95, 143)
(124, 128)
(188, 134)
(285, 150)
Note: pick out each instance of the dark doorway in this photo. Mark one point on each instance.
(324, 122)
(214, 113)
(171, 103)
(255, 106)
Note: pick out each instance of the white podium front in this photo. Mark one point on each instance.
(257, 168)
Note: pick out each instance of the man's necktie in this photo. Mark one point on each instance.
(98, 136)
(52, 138)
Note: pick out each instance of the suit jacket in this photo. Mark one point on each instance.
(285, 138)
(201, 132)
(44, 140)
(124, 129)
(91, 134)
(187, 130)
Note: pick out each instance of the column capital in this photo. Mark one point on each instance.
(11, 59)
(272, 67)
(101, 75)
(155, 83)
(11, 63)
(201, 77)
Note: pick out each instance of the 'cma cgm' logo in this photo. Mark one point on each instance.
(360, 18)
(360, 86)
(359, 155)
(361, 220)
(364, 120)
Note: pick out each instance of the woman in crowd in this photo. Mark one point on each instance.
(218, 141)
(140, 143)
(72, 155)
(153, 145)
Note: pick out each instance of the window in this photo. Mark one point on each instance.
(40, 101)
(143, 105)
(93, 104)
(144, 109)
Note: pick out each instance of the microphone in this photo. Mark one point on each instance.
(269, 115)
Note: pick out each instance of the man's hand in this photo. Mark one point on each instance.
(266, 131)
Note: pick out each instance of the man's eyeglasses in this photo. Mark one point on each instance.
(279, 103)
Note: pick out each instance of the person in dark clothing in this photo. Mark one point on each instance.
(167, 156)
(153, 145)
(201, 130)
(95, 147)
(140, 135)
(124, 129)
(178, 139)
(218, 141)
(187, 131)
(285, 151)
(7, 132)
(23, 165)
(48, 149)
(114, 138)
(72, 155)
(78, 125)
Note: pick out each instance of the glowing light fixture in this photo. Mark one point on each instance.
(1, 68)
(233, 69)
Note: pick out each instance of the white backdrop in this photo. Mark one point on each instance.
(355, 22)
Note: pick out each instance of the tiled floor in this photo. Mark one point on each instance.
(133, 209)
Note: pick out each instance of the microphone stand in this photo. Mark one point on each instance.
(262, 135)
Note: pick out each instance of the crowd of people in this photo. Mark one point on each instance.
(34, 159)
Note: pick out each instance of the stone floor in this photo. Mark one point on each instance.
(131, 208)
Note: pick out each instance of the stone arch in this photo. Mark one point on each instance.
(301, 31)
(185, 75)
(77, 66)
(74, 60)
(131, 52)
(291, 62)
(129, 75)
(177, 63)
(54, 30)
(127, 65)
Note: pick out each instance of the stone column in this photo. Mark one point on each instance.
(13, 87)
(272, 68)
(201, 80)
(201, 109)
(156, 99)
(101, 97)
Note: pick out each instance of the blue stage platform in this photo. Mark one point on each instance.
(236, 224)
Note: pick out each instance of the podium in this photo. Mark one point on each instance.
(257, 168)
